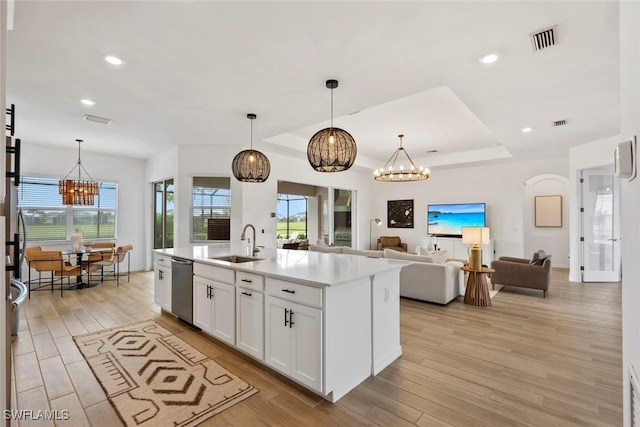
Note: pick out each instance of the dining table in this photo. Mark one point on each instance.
(79, 254)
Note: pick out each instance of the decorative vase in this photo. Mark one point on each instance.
(76, 240)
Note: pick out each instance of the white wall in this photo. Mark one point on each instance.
(553, 240)
(593, 154)
(39, 160)
(251, 203)
(630, 125)
(500, 186)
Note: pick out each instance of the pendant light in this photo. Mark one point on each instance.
(251, 165)
(80, 191)
(405, 171)
(331, 149)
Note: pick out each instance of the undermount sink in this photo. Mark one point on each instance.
(236, 258)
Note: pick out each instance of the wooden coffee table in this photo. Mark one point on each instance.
(477, 292)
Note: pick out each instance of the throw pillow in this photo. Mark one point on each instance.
(538, 257)
(440, 256)
(392, 241)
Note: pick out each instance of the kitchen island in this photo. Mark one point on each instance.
(326, 321)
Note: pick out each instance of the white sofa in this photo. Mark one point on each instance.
(423, 279)
(429, 281)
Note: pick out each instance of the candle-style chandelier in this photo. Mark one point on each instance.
(402, 172)
(78, 191)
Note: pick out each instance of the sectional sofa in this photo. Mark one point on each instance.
(423, 279)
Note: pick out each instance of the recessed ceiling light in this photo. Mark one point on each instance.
(87, 102)
(526, 130)
(489, 59)
(113, 60)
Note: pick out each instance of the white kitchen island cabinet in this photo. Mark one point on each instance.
(326, 321)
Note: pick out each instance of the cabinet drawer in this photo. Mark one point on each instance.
(218, 274)
(250, 281)
(163, 260)
(295, 292)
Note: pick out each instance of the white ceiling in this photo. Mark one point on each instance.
(194, 69)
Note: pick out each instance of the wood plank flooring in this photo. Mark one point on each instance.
(524, 361)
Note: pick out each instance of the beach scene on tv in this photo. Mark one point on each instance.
(448, 219)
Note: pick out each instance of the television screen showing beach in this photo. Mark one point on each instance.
(448, 220)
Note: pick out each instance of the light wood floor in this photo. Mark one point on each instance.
(525, 361)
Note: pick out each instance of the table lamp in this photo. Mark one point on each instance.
(475, 236)
(378, 221)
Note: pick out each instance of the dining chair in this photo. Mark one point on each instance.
(50, 261)
(120, 254)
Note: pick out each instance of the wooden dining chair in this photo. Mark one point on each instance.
(120, 254)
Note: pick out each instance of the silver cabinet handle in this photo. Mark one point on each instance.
(613, 240)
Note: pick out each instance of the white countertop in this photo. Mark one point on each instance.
(314, 268)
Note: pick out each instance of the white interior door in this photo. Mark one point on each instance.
(600, 226)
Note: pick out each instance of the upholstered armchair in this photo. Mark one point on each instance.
(534, 273)
(391, 242)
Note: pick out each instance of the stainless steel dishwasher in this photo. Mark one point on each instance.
(182, 288)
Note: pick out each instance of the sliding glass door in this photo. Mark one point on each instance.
(163, 214)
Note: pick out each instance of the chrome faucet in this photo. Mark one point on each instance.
(254, 249)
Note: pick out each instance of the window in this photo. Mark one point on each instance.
(47, 219)
(292, 216)
(211, 217)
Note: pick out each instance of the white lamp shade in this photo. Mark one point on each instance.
(475, 235)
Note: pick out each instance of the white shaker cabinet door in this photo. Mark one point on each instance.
(224, 312)
(250, 322)
(202, 292)
(306, 345)
(162, 287)
(277, 334)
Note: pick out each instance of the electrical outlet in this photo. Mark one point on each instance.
(386, 294)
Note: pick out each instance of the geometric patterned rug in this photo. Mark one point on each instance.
(153, 378)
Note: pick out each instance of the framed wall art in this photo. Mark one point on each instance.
(548, 211)
(400, 213)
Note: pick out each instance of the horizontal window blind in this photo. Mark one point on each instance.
(47, 219)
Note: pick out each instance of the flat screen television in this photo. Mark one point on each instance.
(447, 220)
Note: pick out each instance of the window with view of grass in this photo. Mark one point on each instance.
(47, 219)
(211, 212)
(292, 216)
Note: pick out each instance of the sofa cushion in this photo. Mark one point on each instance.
(326, 249)
(391, 254)
(538, 257)
(390, 241)
(371, 254)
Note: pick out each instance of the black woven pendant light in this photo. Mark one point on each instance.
(251, 165)
(332, 149)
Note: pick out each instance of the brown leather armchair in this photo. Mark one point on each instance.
(534, 273)
(391, 242)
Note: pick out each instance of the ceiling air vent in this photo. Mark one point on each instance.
(544, 38)
(560, 123)
(97, 119)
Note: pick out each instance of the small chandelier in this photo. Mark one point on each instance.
(80, 191)
(392, 173)
(331, 149)
(251, 165)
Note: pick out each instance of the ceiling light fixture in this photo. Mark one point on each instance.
(526, 130)
(88, 102)
(80, 191)
(113, 60)
(489, 59)
(331, 149)
(392, 173)
(251, 165)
